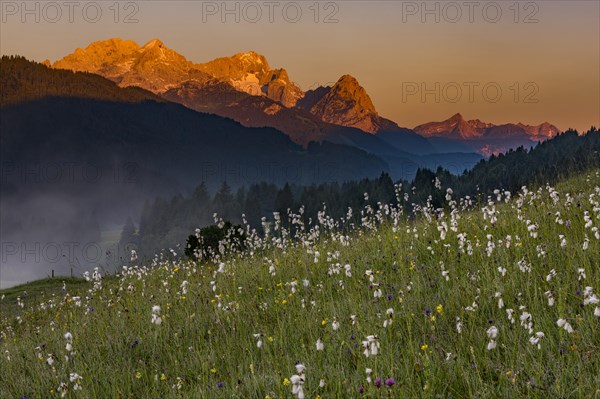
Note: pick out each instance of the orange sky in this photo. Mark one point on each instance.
(497, 61)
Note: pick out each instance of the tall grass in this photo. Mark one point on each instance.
(442, 274)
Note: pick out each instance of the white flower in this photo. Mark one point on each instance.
(565, 325)
(156, 319)
(259, 341)
(297, 386)
(300, 368)
(492, 332)
(335, 325)
(320, 345)
(221, 268)
(321, 383)
(491, 345)
(535, 339)
(368, 371)
(371, 345)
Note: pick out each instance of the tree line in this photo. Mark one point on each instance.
(166, 223)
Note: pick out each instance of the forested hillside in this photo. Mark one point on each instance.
(166, 222)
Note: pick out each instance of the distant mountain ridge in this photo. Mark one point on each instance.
(486, 138)
(157, 68)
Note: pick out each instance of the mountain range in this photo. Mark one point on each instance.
(245, 88)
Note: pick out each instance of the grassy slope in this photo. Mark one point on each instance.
(206, 336)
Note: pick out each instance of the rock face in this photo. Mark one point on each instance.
(250, 72)
(157, 68)
(153, 67)
(348, 104)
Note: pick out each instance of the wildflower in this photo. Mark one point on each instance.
(368, 371)
(335, 325)
(320, 345)
(321, 383)
(535, 339)
(388, 321)
(550, 298)
(297, 381)
(439, 309)
(458, 325)
(424, 347)
(390, 382)
(259, 341)
(500, 300)
(378, 382)
(156, 319)
(69, 338)
(75, 379)
(562, 323)
(371, 345)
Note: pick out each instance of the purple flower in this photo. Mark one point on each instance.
(378, 382)
(361, 389)
(220, 384)
(427, 312)
(390, 381)
(390, 297)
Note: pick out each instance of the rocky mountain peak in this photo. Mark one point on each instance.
(348, 104)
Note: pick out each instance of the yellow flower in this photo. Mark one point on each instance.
(286, 382)
(323, 322)
(284, 302)
(270, 339)
(213, 370)
(439, 308)
(432, 317)
(163, 377)
(138, 375)
(424, 347)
